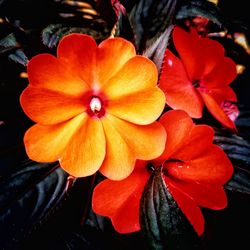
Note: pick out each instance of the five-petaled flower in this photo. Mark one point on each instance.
(201, 76)
(195, 171)
(95, 107)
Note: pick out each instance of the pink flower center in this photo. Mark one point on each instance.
(96, 108)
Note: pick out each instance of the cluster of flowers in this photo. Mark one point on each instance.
(101, 108)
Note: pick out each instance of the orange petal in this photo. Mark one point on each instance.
(205, 195)
(46, 106)
(120, 200)
(188, 206)
(140, 108)
(217, 111)
(85, 151)
(46, 143)
(178, 126)
(145, 142)
(45, 71)
(136, 75)
(211, 167)
(180, 94)
(112, 54)
(78, 52)
(133, 94)
(119, 160)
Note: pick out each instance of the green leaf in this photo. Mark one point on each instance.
(157, 50)
(149, 19)
(162, 222)
(240, 182)
(53, 33)
(202, 8)
(19, 57)
(9, 42)
(236, 147)
(28, 196)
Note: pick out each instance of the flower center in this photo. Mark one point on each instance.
(95, 108)
(196, 83)
(95, 105)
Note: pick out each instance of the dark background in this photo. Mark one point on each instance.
(226, 229)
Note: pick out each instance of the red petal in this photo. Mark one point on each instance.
(205, 195)
(212, 166)
(188, 206)
(216, 110)
(178, 125)
(222, 74)
(198, 139)
(120, 200)
(189, 48)
(213, 54)
(178, 89)
(223, 94)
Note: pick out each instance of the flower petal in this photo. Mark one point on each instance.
(208, 196)
(46, 143)
(211, 167)
(178, 125)
(178, 89)
(85, 151)
(213, 54)
(140, 108)
(216, 110)
(112, 54)
(222, 75)
(199, 138)
(119, 160)
(146, 142)
(133, 94)
(223, 94)
(47, 107)
(189, 48)
(120, 200)
(46, 71)
(188, 206)
(78, 52)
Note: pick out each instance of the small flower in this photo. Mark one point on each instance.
(95, 107)
(201, 76)
(195, 171)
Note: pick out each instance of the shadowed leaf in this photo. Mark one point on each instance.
(27, 197)
(163, 224)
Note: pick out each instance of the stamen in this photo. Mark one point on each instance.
(95, 105)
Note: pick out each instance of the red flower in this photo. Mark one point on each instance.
(194, 168)
(201, 76)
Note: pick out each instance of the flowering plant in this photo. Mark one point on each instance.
(132, 127)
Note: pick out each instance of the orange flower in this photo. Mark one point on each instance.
(201, 76)
(95, 107)
(195, 171)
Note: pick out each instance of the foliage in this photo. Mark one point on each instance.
(41, 207)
